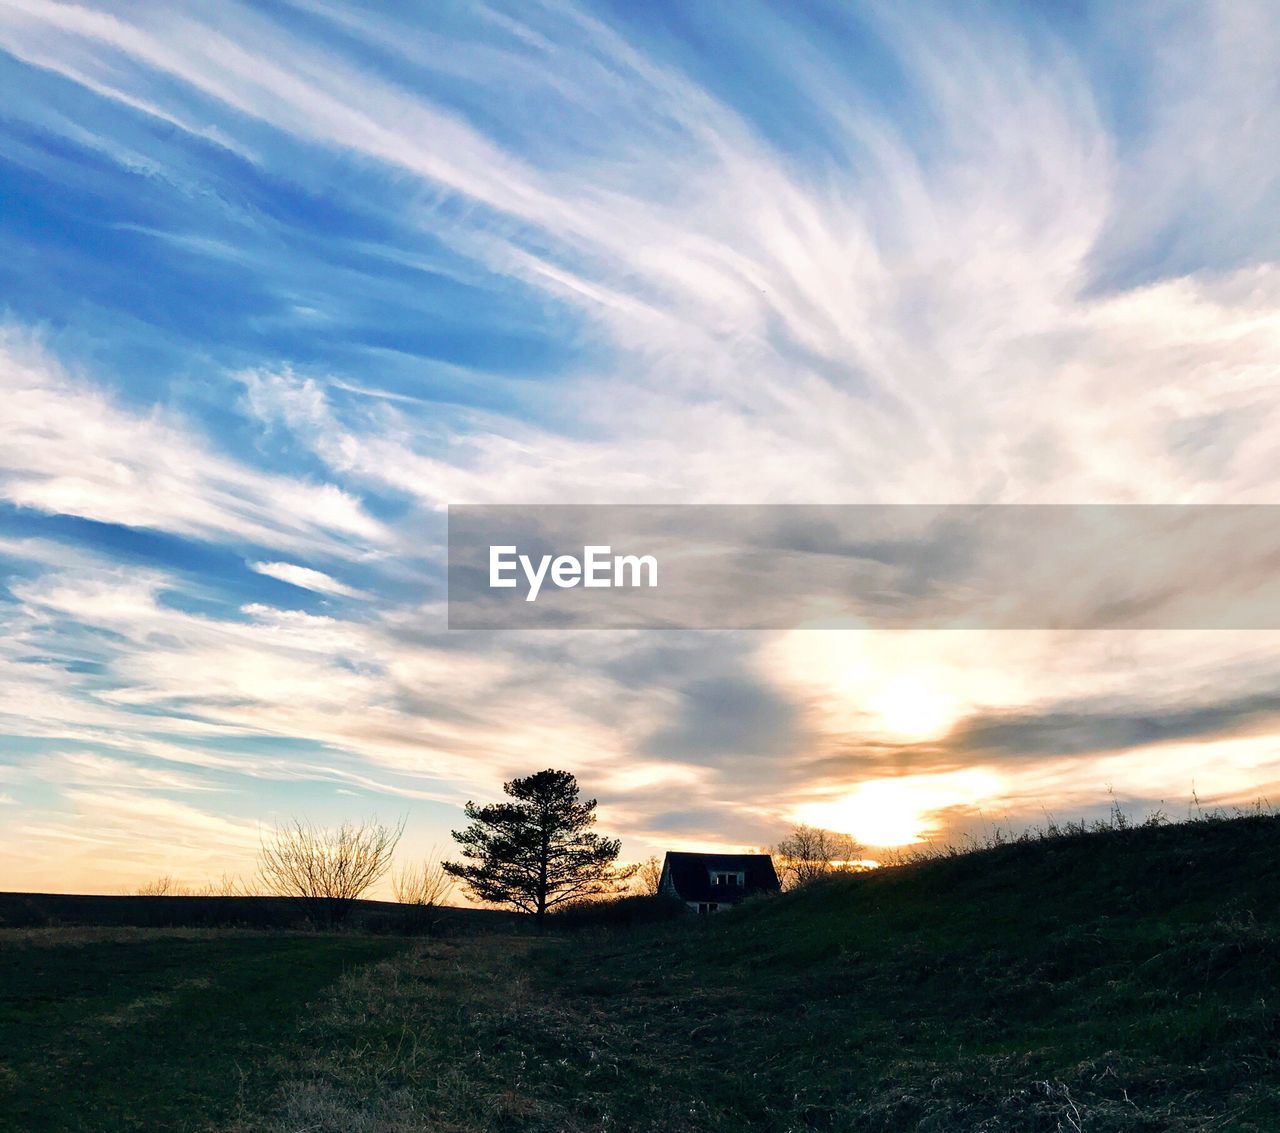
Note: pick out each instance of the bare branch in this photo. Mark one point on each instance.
(327, 869)
(809, 853)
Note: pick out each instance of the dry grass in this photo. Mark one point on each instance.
(459, 1037)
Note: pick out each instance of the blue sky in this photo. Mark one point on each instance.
(282, 281)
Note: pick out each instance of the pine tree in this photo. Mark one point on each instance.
(537, 851)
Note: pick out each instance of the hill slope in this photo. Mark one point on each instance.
(1128, 980)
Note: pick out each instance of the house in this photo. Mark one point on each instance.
(708, 883)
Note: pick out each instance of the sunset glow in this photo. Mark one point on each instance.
(900, 812)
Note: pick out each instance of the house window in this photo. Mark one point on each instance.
(723, 879)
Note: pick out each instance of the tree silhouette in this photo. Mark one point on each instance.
(809, 853)
(537, 851)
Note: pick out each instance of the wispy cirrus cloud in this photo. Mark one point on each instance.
(68, 448)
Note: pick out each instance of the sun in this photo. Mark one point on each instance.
(900, 811)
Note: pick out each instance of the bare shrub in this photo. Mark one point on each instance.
(228, 885)
(327, 869)
(426, 884)
(422, 889)
(233, 885)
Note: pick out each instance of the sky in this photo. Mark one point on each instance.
(279, 282)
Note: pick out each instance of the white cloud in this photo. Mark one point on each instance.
(307, 579)
(893, 319)
(67, 447)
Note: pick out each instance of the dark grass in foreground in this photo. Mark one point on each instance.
(120, 1029)
(1127, 980)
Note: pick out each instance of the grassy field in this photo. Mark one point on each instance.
(1127, 980)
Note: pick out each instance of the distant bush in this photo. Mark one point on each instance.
(163, 886)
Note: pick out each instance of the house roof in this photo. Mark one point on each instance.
(690, 875)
